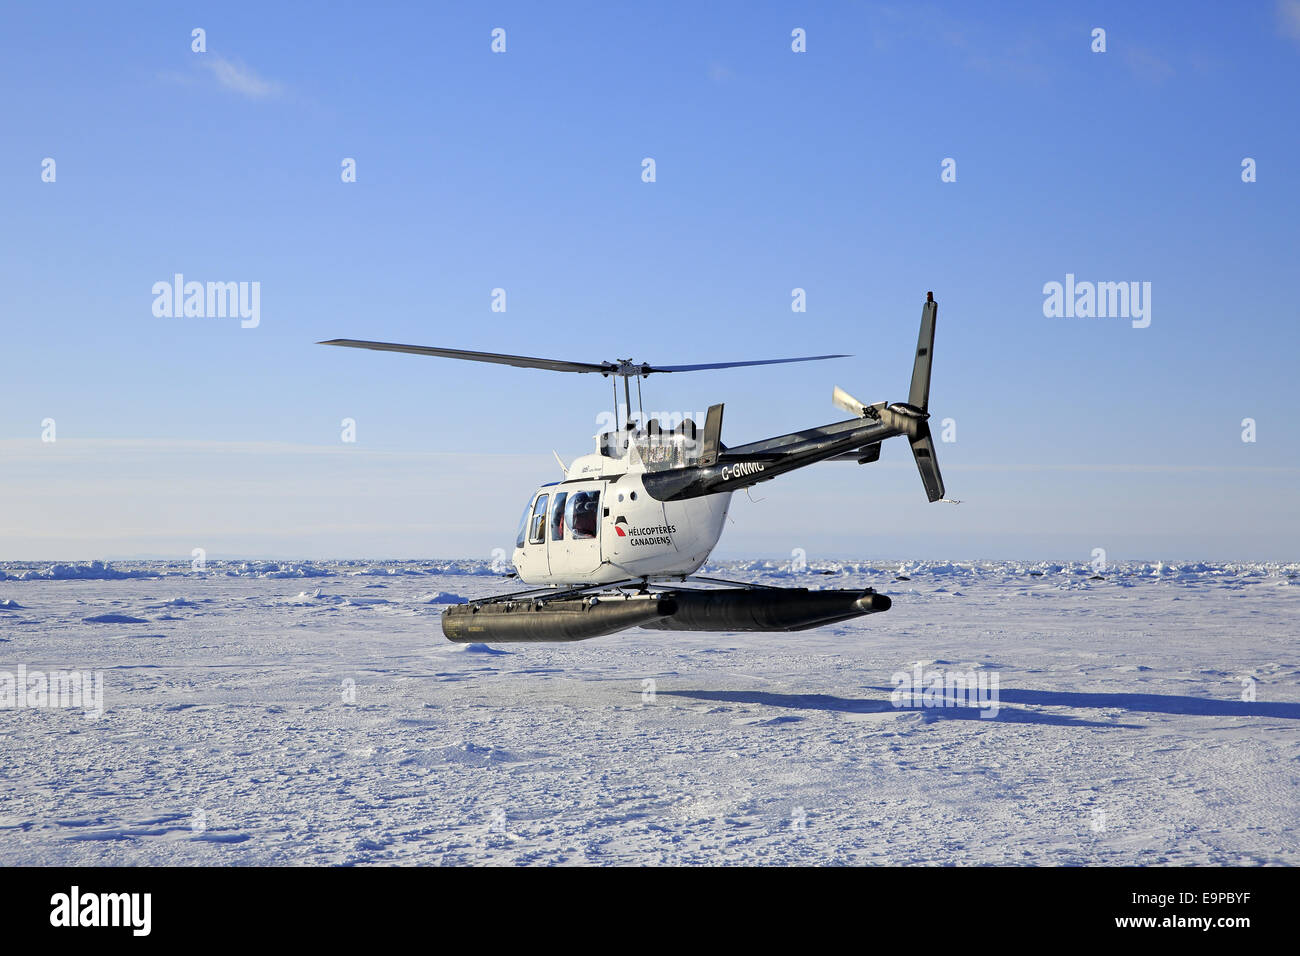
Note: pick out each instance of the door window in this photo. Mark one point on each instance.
(557, 517)
(537, 530)
(582, 514)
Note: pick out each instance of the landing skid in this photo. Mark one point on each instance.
(577, 613)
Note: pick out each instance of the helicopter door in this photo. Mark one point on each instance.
(575, 531)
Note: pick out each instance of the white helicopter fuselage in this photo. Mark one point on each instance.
(599, 526)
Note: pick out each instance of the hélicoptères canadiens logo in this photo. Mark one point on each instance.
(650, 534)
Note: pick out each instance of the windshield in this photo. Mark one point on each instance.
(523, 524)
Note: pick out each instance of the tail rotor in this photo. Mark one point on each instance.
(918, 397)
(910, 418)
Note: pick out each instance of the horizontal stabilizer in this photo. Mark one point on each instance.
(863, 456)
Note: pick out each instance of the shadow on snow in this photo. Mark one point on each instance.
(1136, 703)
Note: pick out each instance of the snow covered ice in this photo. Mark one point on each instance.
(313, 713)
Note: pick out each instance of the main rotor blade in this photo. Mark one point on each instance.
(625, 368)
(520, 361)
(710, 365)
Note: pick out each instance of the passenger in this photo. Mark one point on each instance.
(584, 516)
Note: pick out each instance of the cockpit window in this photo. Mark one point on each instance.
(537, 530)
(557, 517)
(582, 514)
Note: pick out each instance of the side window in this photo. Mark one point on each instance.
(557, 517)
(583, 511)
(537, 529)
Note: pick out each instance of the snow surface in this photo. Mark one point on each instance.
(1122, 736)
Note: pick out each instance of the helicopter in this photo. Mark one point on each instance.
(618, 541)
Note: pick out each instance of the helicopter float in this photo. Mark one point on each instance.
(617, 542)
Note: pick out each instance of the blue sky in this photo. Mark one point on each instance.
(521, 170)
